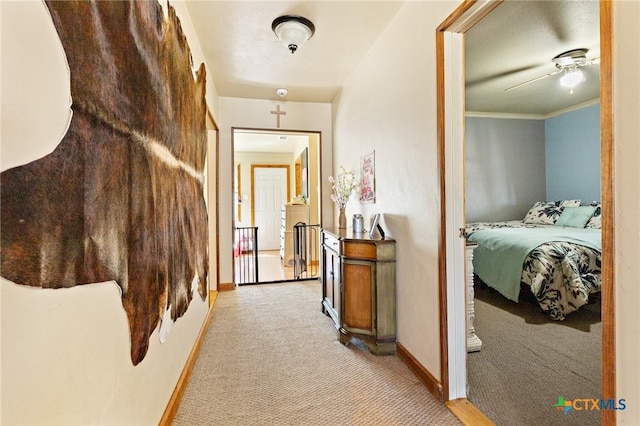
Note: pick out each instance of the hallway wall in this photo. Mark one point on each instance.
(389, 106)
(65, 352)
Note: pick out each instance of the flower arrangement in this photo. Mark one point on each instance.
(343, 185)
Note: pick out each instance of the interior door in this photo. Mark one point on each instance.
(270, 194)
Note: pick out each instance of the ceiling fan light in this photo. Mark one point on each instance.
(572, 78)
(293, 30)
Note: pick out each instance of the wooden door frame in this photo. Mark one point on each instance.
(461, 20)
(213, 149)
(317, 134)
(238, 215)
(267, 166)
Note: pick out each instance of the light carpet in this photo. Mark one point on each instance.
(270, 357)
(528, 360)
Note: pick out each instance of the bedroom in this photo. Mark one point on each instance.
(516, 157)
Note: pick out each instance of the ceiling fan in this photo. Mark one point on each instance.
(568, 63)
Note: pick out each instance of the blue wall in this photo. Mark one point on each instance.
(572, 155)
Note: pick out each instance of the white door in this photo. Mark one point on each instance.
(270, 194)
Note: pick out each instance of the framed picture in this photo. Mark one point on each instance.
(374, 225)
(367, 178)
(304, 163)
(302, 174)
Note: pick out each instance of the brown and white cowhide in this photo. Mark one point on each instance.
(121, 197)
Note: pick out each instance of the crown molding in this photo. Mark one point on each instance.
(480, 114)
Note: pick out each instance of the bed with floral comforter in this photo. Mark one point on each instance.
(561, 270)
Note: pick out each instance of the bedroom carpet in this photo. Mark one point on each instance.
(527, 361)
(270, 357)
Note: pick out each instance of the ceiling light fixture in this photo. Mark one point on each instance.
(572, 77)
(282, 92)
(293, 30)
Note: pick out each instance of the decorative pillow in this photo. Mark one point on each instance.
(547, 212)
(570, 203)
(575, 217)
(596, 219)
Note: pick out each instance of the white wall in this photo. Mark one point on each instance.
(65, 353)
(256, 114)
(389, 105)
(626, 107)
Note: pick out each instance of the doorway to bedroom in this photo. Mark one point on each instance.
(452, 190)
(534, 149)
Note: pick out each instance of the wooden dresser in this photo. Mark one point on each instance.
(359, 288)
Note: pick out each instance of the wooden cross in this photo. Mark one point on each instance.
(278, 114)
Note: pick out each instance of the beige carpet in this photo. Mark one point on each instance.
(271, 357)
(527, 361)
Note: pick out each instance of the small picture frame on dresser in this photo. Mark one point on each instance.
(375, 224)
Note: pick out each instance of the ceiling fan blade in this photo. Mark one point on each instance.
(488, 78)
(531, 81)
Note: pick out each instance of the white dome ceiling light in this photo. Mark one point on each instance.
(293, 30)
(571, 78)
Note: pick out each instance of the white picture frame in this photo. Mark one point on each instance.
(374, 225)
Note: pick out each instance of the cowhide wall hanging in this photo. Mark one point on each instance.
(121, 197)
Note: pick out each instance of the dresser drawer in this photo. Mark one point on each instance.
(331, 242)
(358, 250)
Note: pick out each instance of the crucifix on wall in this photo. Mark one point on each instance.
(278, 113)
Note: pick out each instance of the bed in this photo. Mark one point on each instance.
(555, 252)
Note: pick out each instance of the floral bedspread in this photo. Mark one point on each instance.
(561, 275)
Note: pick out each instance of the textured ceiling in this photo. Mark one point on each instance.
(248, 61)
(514, 43)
